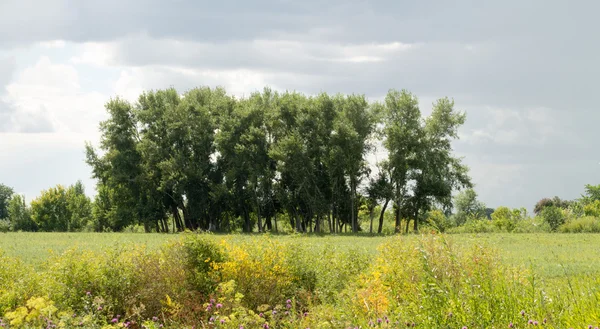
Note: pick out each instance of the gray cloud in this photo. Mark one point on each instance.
(524, 71)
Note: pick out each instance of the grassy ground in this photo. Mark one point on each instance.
(550, 255)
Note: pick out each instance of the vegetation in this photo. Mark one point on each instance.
(211, 281)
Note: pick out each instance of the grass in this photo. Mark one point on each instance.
(550, 255)
(342, 281)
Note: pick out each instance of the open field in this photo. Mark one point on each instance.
(550, 255)
(95, 280)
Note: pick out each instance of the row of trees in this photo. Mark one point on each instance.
(206, 160)
(56, 209)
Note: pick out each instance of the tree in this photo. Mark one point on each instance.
(119, 169)
(438, 172)
(6, 193)
(554, 216)
(423, 170)
(592, 193)
(19, 214)
(467, 206)
(554, 202)
(60, 209)
(403, 133)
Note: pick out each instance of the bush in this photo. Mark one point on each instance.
(476, 226)
(4, 226)
(18, 282)
(436, 286)
(202, 258)
(554, 216)
(532, 225)
(587, 224)
(592, 209)
(438, 220)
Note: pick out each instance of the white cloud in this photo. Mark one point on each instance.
(50, 92)
(53, 44)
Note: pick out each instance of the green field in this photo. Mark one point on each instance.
(549, 255)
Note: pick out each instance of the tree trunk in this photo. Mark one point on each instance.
(416, 228)
(397, 227)
(381, 216)
(353, 213)
(371, 216)
(275, 219)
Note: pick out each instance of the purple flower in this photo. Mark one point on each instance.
(274, 312)
(465, 327)
(379, 320)
(99, 308)
(305, 313)
(261, 315)
(212, 301)
(154, 319)
(535, 323)
(266, 326)
(287, 313)
(219, 305)
(510, 325)
(222, 321)
(289, 301)
(114, 320)
(530, 322)
(88, 293)
(522, 313)
(208, 308)
(211, 319)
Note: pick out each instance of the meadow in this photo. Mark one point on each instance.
(112, 280)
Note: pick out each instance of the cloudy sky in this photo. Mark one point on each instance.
(524, 71)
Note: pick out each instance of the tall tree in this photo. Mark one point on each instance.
(438, 173)
(6, 193)
(403, 133)
(119, 169)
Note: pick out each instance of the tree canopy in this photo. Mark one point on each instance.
(206, 160)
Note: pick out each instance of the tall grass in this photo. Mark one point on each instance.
(429, 281)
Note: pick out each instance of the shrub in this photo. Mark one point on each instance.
(532, 225)
(476, 226)
(554, 216)
(438, 220)
(587, 224)
(18, 282)
(434, 285)
(592, 209)
(4, 226)
(202, 257)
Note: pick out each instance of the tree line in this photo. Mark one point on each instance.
(207, 160)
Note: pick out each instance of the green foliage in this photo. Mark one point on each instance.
(554, 216)
(202, 257)
(554, 202)
(61, 209)
(6, 193)
(592, 209)
(432, 280)
(19, 214)
(468, 207)
(438, 220)
(4, 226)
(506, 219)
(205, 160)
(587, 224)
(476, 226)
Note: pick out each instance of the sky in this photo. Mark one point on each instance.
(525, 72)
